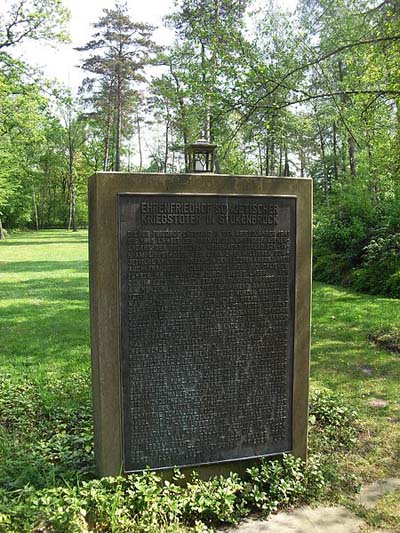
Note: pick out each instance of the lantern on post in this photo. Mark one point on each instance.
(200, 156)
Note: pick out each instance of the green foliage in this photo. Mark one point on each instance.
(51, 463)
(341, 232)
(388, 338)
(334, 433)
(380, 271)
(147, 502)
(40, 445)
(21, 129)
(357, 244)
(41, 159)
(283, 482)
(333, 423)
(33, 19)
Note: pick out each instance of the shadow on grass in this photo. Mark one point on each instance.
(50, 328)
(43, 266)
(46, 336)
(49, 242)
(48, 289)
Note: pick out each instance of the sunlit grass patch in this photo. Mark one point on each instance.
(44, 303)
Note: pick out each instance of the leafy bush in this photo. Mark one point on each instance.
(387, 338)
(334, 431)
(334, 424)
(274, 484)
(393, 285)
(357, 244)
(146, 503)
(380, 271)
(47, 469)
(341, 232)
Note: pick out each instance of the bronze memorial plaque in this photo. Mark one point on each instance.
(207, 289)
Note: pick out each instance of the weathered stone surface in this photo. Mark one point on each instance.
(371, 494)
(379, 403)
(304, 520)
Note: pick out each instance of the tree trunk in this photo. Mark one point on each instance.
(139, 143)
(217, 168)
(72, 208)
(206, 124)
(71, 184)
(129, 156)
(272, 157)
(166, 152)
(173, 156)
(352, 156)
(216, 163)
(35, 209)
(302, 162)
(335, 154)
(322, 146)
(118, 132)
(2, 236)
(260, 159)
(107, 143)
(397, 151)
(107, 136)
(286, 169)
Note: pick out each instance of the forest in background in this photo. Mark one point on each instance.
(315, 93)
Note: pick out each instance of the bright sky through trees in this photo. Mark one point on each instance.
(61, 62)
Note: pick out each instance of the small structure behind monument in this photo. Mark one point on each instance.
(200, 318)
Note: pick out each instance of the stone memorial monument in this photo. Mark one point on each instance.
(200, 319)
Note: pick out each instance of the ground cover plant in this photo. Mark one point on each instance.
(388, 338)
(47, 480)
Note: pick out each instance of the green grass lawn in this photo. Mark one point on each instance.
(345, 361)
(44, 303)
(45, 353)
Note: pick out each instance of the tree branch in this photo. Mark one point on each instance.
(283, 105)
(309, 64)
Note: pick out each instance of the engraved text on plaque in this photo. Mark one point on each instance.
(207, 319)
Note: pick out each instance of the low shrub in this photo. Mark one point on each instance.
(146, 503)
(276, 483)
(342, 229)
(334, 431)
(387, 338)
(356, 244)
(47, 471)
(333, 424)
(45, 438)
(380, 269)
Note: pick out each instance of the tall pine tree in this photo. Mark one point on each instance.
(119, 51)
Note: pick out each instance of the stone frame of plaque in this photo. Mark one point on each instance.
(135, 402)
